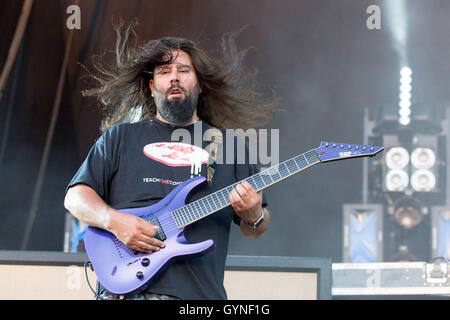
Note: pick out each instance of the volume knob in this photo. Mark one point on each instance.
(145, 262)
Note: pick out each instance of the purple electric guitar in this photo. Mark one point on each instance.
(121, 270)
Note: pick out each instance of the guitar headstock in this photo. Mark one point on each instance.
(329, 151)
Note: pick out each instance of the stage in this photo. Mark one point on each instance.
(27, 275)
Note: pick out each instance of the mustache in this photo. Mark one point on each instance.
(175, 86)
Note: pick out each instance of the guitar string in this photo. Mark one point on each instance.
(184, 214)
(191, 211)
(194, 210)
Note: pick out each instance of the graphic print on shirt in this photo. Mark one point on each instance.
(178, 154)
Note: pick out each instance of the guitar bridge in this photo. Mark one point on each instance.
(160, 235)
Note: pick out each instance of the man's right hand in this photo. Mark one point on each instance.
(87, 206)
(134, 232)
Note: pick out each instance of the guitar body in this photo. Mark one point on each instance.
(120, 269)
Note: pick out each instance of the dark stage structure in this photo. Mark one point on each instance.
(356, 72)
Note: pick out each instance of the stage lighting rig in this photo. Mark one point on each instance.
(401, 189)
(411, 178)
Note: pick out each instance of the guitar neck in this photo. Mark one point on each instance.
(218, 200)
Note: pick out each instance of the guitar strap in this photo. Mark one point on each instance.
(215, 136)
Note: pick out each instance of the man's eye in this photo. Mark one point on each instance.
(162, 71)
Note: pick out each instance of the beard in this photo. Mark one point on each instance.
(178, 111)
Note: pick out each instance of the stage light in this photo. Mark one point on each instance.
(405, 113)
(404, 120)
(441, 232)
(405, 87)
(405, 96)
(405, 72)
(403, 255)
(396, 180)
(423, 177)
(405, 81)
(423, 158)
(74, 234)
(397, 158)
(423, 180)
(408, 212)
(363, 232)
(404, 104)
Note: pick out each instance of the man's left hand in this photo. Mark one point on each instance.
(246, 202)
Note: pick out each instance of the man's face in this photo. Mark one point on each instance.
(175, 89)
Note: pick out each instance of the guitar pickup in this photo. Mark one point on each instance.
(160, 235)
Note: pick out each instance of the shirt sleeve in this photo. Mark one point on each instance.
(99, 166)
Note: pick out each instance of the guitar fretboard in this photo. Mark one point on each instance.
(220, 199)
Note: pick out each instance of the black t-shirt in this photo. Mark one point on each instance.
(137, 164)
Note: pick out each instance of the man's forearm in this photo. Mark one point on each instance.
(87, 206)
(250, 231)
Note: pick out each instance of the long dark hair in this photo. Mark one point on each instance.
(229, 98)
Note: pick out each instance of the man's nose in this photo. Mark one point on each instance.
(174, 77)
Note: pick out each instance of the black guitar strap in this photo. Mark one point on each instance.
(215, 136)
